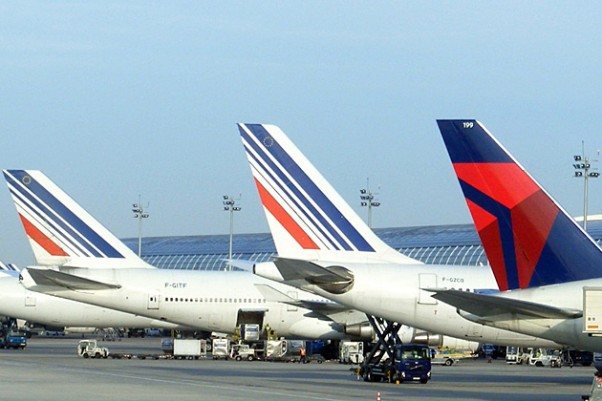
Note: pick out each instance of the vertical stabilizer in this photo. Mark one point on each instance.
(59, 230)
(308, 219)
(528, 238)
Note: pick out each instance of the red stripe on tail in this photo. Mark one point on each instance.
(489, 232)
(285, 219)
(532, 221)
(41, 239)
(492, 179)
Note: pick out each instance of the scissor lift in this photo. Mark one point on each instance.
(387, 333)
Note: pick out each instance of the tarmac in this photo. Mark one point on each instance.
(49, 369)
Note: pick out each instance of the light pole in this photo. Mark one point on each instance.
(367, 200)
(230, 206)
(139, 214)
(583, 166)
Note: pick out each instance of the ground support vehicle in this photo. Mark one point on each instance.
(242, 351)
(351, 352)
(443, 358)
(517, 355)
(14, 339)
(546, 357)
(90, 349)
(189, 348)
(391, 360)
(411, 362)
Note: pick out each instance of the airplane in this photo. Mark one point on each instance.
(325, 248)
(20, 303)
(77, 258)
(543, 261)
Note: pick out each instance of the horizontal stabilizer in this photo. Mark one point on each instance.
(334, 279)
(242, 264)
(490, 305)
(45, 277)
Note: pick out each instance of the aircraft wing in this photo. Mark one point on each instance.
(491, 305)
(272, 294)
(46, 277)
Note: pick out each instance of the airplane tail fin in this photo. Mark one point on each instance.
(8, 267)
(529, 239)
(308, 219)
(61, 232)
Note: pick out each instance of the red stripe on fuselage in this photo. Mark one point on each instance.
(489, 178)
(285, 219)
(41, 239)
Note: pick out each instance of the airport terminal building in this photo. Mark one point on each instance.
(446, 244)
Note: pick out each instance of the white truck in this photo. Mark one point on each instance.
(90, 349)
(189, 348)
(517, 355)
(351, 352)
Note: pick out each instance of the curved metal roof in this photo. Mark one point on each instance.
(444, 244)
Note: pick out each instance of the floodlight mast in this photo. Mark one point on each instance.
(582, 167)
(230, 206)
(368, 200)
(139, 213)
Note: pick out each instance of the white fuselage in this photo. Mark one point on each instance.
(20, 303)
(203, 300)
(397, 293)
(564, 296)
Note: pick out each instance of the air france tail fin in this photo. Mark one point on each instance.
(8, 267)
(61, 232)
(529, 239)
(308, 219)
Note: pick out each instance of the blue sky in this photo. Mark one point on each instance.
(113, 99)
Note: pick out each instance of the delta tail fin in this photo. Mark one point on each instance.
(308, 219)
(529, 239)
(61, 232)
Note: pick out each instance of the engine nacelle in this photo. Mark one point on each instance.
(360, 330)
(426, 338)
(441, 341)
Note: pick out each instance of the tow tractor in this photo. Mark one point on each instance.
(242, 351)
(392, 361)
(90, 349)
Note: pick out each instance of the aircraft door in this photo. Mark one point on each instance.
(250, 317)
(153, 302)
(427, 280)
